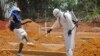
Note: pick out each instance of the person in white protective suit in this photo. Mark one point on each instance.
(64, 19)
(16, 26)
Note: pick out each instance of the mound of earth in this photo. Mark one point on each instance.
(3, 25)
(87, 41)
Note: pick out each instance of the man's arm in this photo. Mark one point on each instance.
(10, 20)
(26, 21)
(55, 25)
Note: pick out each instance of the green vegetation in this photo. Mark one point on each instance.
(85, 10)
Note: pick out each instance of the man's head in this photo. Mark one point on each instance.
(56, 12)
(15, 10)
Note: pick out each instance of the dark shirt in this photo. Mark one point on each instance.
(15, 21)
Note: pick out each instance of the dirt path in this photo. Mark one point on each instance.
(87, 41)
(37, 52)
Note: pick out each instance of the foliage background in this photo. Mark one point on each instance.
(41, 10)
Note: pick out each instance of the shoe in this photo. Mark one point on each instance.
(19, 54)
(70, 53)
(30, 43)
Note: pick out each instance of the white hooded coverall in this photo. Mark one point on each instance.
(65, 20)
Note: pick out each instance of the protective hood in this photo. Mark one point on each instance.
(56, 12)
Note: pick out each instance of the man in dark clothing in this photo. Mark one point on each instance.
(16, 26)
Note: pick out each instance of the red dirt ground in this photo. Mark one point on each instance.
(3, 25)
(87, 41)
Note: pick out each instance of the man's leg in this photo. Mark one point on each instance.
(28, 41)
(24, 34)
(66, 42)
(26, 38)
(20, 47)
(21, 36)
(21, 42)
(70, 42)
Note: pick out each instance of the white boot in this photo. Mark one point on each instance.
(19, 54)
(70, 53)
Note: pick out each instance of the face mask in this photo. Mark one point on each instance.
(56, 15)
